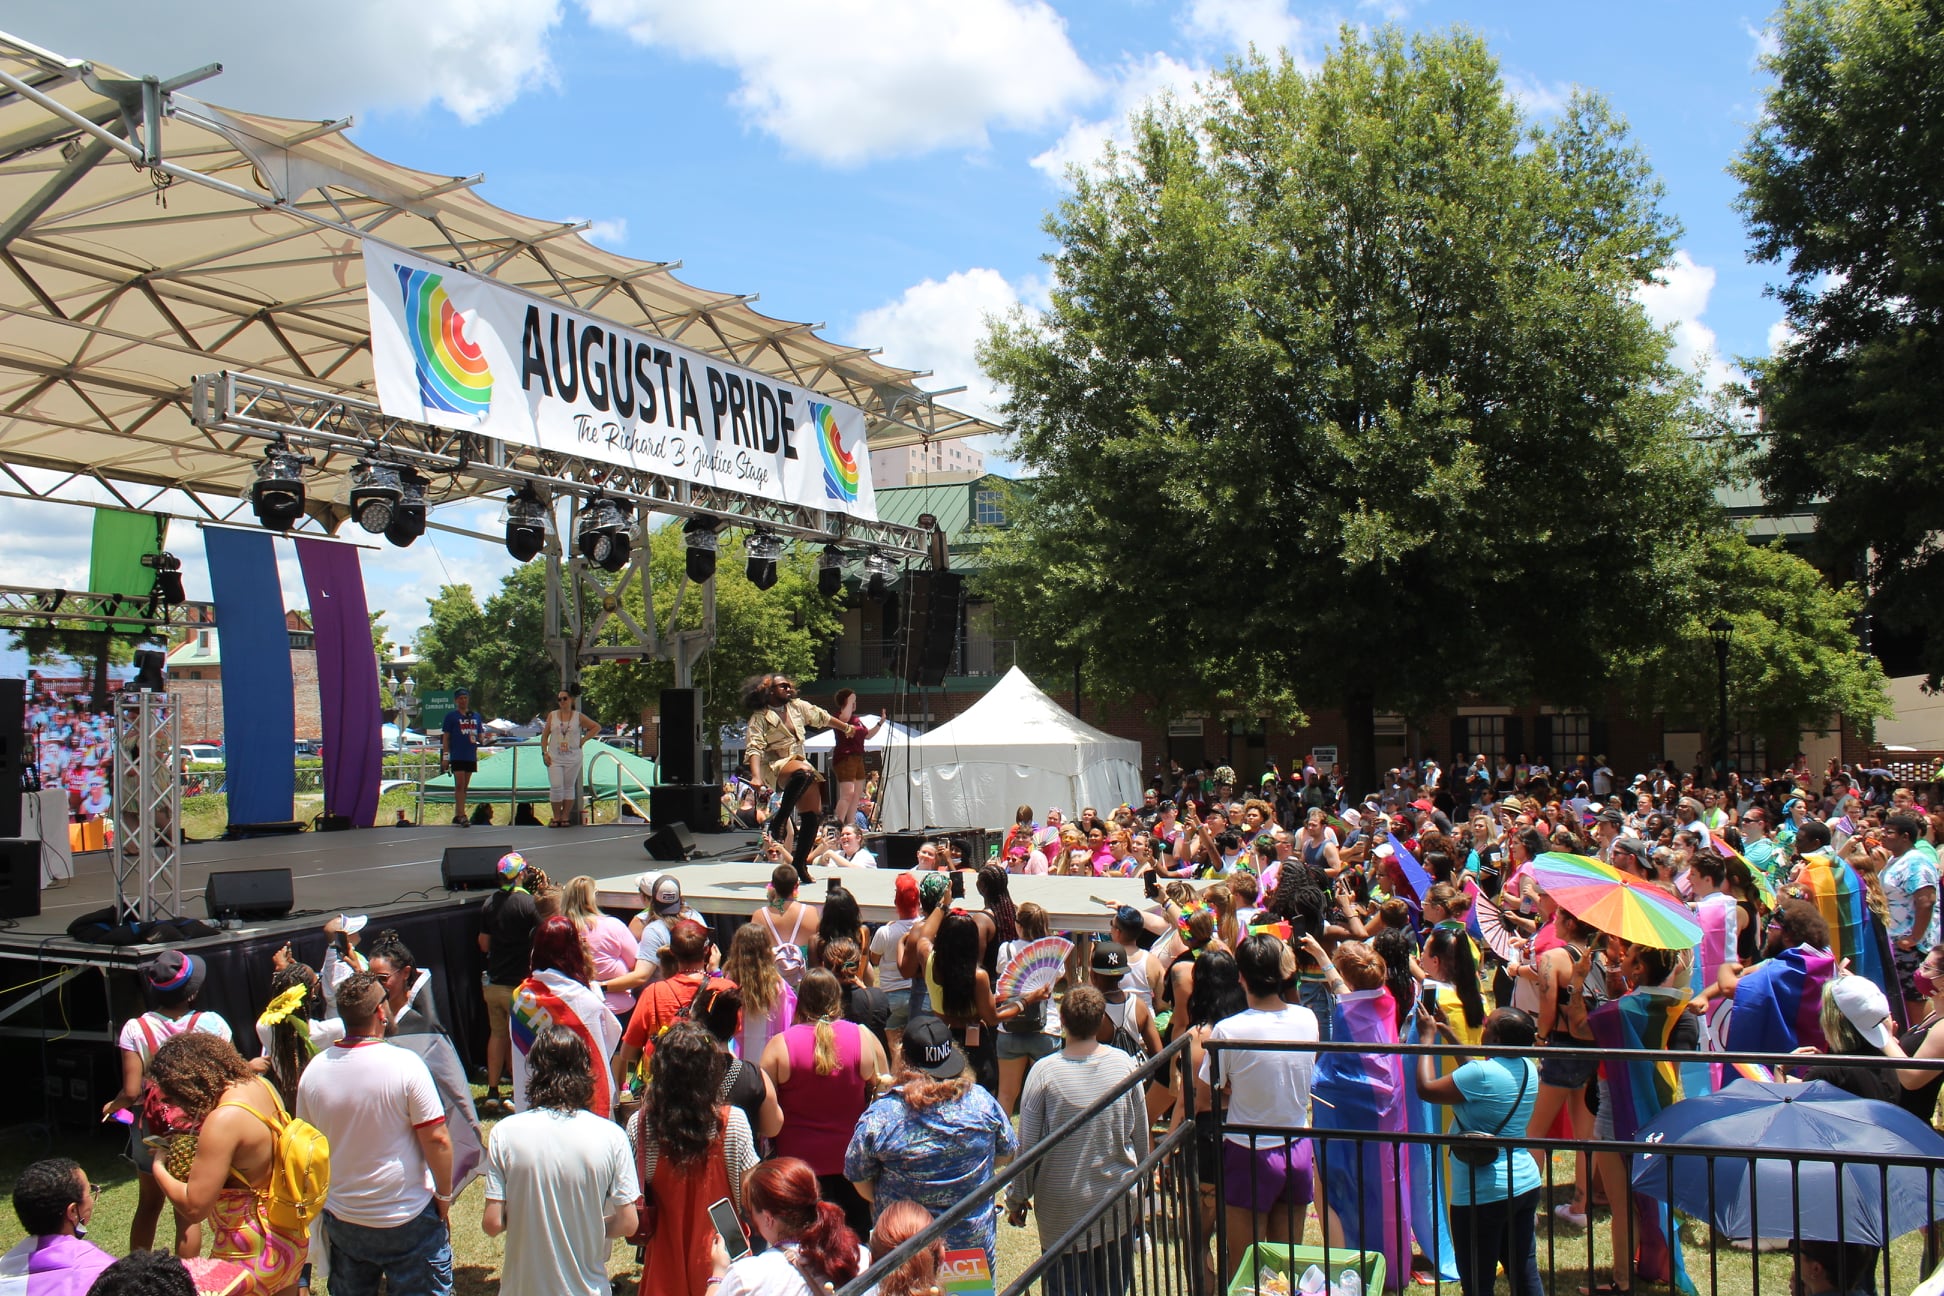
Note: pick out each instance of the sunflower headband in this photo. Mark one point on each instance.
(283, 1005)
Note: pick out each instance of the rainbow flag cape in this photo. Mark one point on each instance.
(549, 998)
(1367, 1184)
(1837, 892)
(1639, 1092)
(1778, 1005)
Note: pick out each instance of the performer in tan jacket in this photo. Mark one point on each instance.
(778, 723)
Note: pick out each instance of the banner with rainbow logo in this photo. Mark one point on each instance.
(456, 350)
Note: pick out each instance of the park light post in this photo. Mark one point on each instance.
(1719, 633)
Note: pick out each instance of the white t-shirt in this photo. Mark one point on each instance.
(1268, 1089)
(143, 1035)
(885, 945)
(323, 1034)
(772, 1274)
(655, 933)
(561, 1174)
(863, 859)
(370, 1099)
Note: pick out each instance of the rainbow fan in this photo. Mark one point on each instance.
(1038, 963)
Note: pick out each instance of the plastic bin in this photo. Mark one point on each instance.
(1292, 1261)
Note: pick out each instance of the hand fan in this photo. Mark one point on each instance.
(1493, 929)
(1040, 963)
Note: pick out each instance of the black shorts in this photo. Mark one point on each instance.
(463, 767)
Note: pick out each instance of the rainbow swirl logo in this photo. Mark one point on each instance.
(840, 470)
(452, 371)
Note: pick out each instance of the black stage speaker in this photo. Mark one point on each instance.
(471, 868)
(255, 894)
(681, 735)
(937, 603)
(670, 840)
(896, 850)
(19, 876)
(699, 805)
(14, 757)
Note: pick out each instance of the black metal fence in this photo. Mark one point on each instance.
(1721, 1207)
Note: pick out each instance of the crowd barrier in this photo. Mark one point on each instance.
(1169, 1227)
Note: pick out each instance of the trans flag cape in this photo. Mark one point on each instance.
(1430, 1190)
(1639, 1091)
(1778, 1005)
(550, 998)
(1716, 914)
(1367, 1184)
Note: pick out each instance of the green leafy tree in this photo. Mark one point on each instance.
(1793, 659)
(1843, 185)
(784, 628)
(454, 626)
(381, 649)
(511, 671)
(1343, 376)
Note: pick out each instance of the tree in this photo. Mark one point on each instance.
(1344, 381)
(1793, 660)
(780, 629)
(453, 627)
(1843, 184)
(381, 649)
(512, 673)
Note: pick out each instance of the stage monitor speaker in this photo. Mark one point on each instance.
(699, 805)
(20, 861)
(897, 850)
(471, 868)
(14, 756)
(937, 601)
(253, 894)
(681, 735)
(670, 842)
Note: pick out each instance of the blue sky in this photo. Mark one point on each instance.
(883, 166)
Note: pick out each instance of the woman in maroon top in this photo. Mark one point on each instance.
(847, 760)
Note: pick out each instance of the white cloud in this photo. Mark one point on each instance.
(854, 80)
(1780, 335)
(609, 234)
(938, 325)
(1767, 43)
(1268, 25)
(1537, 98)
(471, 57)
(1139, 82)
(1677, 302)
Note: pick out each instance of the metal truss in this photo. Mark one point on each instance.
(336, 429)
(148, 806)
(22, 607)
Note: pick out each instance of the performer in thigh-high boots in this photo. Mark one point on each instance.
(779, 720)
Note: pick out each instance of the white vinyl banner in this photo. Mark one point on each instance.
(455, 350)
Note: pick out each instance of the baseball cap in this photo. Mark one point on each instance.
(352, 924)
(1865, 1006)
(645, 884)
(1109, 959)
(928, 1046)
(1610, 816)
(667, 897)
(460, 692)
(1633, 846)
(173, 975)
(512, 864)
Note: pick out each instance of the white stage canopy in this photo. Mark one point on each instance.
(893, 732)
(1014, 747)
(147, 238)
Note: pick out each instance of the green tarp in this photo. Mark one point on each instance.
(498, 767)
(121, 540)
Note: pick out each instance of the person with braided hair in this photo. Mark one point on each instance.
(778, 723)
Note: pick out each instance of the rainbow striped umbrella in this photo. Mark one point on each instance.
(1615, 902)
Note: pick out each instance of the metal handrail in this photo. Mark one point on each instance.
(621, 798)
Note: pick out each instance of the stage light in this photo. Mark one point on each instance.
(376, 490)
(408, 515)
(168, 579)
(763, 549)
(151, 670)
(602, 536)
(700, 539)
(830, 572)
(277, 495)
(527, 523)
(879, 567)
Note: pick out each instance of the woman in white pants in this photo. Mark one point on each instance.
(560, 746)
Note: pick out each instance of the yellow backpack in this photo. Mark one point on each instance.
(300, 1171)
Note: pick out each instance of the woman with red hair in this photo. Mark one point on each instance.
(557, 992)
(811, 1249)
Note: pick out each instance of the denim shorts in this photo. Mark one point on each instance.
(1027, 1044)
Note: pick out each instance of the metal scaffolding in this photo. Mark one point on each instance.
(148, 807)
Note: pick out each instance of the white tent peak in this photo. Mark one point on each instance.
(1017, 709)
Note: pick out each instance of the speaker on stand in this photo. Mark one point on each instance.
(936, 606)
(699, 805)
(680, 759)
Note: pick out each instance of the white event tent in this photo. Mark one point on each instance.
(1015, 747)
(892, 732)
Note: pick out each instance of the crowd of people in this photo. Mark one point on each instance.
(838, 1086)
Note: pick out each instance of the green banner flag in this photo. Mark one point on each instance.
(115, 565)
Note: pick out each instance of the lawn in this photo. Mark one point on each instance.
(477, 1257)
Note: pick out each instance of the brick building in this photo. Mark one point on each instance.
(865, 655)
(196, 675)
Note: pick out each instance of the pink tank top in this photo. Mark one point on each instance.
(820, 1111)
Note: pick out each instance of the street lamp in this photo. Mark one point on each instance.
(1719, 633)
